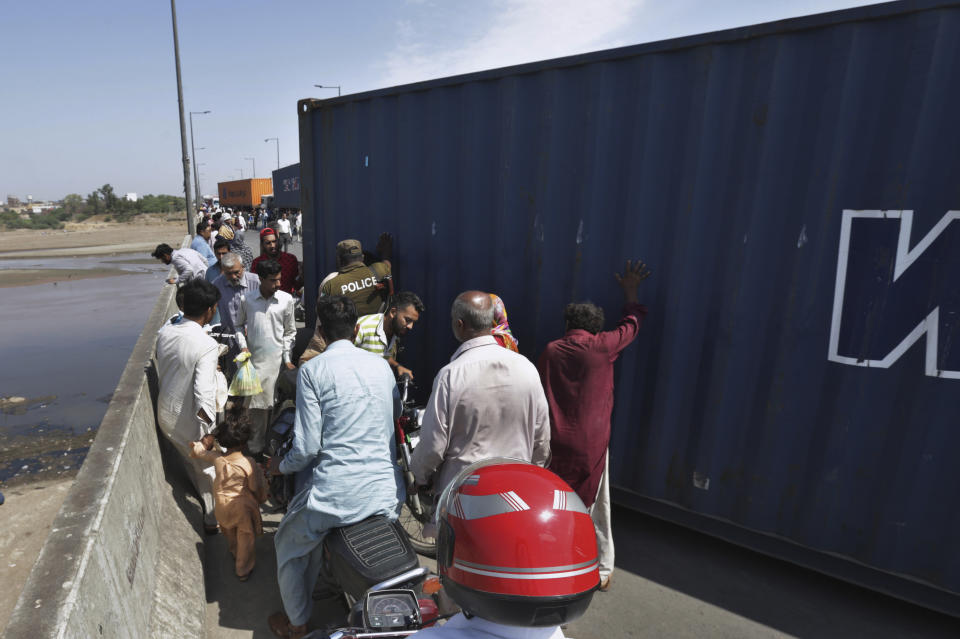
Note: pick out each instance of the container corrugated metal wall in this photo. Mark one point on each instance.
(795, 386)
(244, 192)
(286, 187)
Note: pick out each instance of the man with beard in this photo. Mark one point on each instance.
(380, 332)
(234, 283)
(289, 264)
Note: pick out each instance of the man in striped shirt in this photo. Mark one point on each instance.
(380, 332)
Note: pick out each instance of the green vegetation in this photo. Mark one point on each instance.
(101, 201)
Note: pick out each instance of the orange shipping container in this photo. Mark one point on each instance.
(244, 192)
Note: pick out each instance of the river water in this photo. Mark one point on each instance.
(63, 347)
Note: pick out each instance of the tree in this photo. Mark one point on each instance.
(73, 204)
(109, 198)
(94, 203)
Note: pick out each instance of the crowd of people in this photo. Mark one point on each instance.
(489, 401)
(285, 221)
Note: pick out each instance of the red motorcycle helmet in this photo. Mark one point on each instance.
(516, 545)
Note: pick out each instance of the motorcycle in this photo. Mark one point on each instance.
(386, 611)
(373, 564)
(418, 509)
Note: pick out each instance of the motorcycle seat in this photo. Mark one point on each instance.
(366, 553)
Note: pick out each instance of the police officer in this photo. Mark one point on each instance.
(368, 286)
(365, 285)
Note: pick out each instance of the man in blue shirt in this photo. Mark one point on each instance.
(344, 430)
(201, 242)
(220, 248)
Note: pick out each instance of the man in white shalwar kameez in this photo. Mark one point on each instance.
(187, 368)
(266, 327)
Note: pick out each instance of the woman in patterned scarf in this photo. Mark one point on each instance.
(501, 327)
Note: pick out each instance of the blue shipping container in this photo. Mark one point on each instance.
(794, 188)
(286, 187)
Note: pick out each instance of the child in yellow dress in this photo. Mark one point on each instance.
(238, 489)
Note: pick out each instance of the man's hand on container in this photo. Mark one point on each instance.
(633, 274)
(403, 370)
(385, 247)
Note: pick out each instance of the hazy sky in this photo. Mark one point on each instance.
(88, 89)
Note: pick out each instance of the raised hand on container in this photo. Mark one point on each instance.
(633, 274)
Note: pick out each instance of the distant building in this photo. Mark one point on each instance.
(13, 201)
(131, 197)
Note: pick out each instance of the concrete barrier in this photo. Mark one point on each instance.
(125, 555)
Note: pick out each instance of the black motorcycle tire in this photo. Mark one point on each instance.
(413, 526)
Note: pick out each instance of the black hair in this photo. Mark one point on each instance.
(201, 225)
(337, 316)
(266, 268)
(220, 242)
(198, 296)
(234, 431)
(584, 315)
(404, 299)
(162, 249)
(179, 298)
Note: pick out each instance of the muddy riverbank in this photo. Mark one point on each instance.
(67, 327)
(27, 277)
(94, 237)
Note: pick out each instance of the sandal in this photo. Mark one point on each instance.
(280, 626)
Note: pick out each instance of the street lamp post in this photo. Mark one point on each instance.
(277, 140)
(254, 166)
(183, 132)
(199, 175)
(241, 173)
(329, 86)
(196, 177)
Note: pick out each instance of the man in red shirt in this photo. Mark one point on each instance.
(577, 375)
(290, 281)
